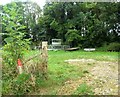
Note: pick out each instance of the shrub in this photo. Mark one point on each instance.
(21, 85)
(110, 47)
(113, 47)
(15, 45)
(102, 48)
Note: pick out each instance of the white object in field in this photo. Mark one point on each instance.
(20, 69)
(56, 41)
(89, 49)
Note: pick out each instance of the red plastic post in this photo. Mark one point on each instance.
(19, 62)
(19, 66)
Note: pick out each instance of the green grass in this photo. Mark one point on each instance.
(107, 56)
(59, 71)
(0, 53)
(83, 89)
(59, 56)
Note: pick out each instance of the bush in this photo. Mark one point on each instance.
(21, 85)
(12, 83)
(102, 49)
(113, 47)
(110, 47)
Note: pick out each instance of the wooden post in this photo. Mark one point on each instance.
(44, 55)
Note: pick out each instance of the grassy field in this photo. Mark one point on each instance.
(60, 72)
(63, 55)
(0, 53)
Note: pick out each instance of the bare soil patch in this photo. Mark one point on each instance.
(102, 76)
(80, 61)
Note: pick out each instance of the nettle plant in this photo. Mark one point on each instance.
(15, 43)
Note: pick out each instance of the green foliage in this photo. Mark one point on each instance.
(72, 37)
(94, 24)
(103, 48)
(54, 24)
(58, 72)
(21, 85)
(15, 42)
(16, 84)
(83, 89)
(8, 74)
(15, 45)
(92, 21)
(29, 13)
(113, 47)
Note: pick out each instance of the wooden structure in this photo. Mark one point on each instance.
(72, 49)
(56, 44)
(44, 56)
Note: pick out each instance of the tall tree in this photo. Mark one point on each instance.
(15, 43)
(96, 23)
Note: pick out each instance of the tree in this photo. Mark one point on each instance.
(97, 23)
(31, 14)
(73, 37)
(15, 43)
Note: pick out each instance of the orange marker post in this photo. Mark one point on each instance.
(19, 66)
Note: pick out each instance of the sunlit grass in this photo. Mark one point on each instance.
(105, 56)
(0, 53)
(59, 71)
(83, 89)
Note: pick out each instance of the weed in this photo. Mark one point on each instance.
(85, 71)
(83, 89)
(89, 64)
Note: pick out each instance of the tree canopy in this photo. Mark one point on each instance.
(85, 24)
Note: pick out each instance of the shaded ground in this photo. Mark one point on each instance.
(101, 75)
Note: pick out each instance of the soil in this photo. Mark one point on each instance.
(102, 76)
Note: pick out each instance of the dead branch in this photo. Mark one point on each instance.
(31, 58)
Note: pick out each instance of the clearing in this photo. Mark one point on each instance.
(79, 73)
